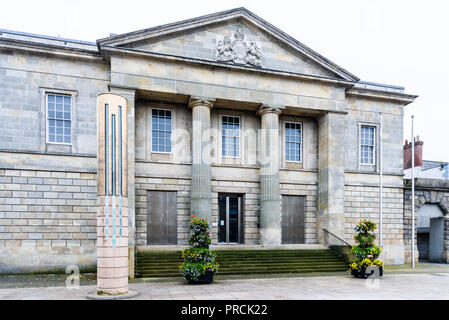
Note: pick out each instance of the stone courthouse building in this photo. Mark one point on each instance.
(228, 118)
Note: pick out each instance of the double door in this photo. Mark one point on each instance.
(230, 218)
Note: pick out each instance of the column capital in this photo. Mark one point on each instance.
(201, 101)
(264, 109)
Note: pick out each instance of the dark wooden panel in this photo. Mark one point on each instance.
(293, 219)
(162, 219)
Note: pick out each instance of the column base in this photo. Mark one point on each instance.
(99, 296)
(270, 237)
(270, 222)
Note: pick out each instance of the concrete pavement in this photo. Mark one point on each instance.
(394, 286)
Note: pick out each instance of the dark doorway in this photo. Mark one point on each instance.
(293, 218)
(162, 217)
(230, 218)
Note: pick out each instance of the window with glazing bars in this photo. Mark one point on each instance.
(293, 141)
(59, 118)
(230, 136)
(367, 141)
(161, 130)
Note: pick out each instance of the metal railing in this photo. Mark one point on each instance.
(331, 239)
(338, 245)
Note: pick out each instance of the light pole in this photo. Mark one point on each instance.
(413, 197)
(380, 182)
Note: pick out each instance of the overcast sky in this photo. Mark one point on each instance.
(395, 42)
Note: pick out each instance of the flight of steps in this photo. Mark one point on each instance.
(156, 264)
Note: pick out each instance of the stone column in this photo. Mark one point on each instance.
(270, 191)
(112, 191)
(331, 175)
(201, 176)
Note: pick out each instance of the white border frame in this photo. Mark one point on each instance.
(221, 135)
(284, 147)
(150, 129)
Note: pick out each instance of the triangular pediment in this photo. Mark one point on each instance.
(233, 37)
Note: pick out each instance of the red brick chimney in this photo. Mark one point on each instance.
(408, 153)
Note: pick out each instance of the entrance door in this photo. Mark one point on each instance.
(230, 219)
(293, 219)
(161, 217)
(436, 238)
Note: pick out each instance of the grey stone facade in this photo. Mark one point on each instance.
(48, 190)
(427, 191)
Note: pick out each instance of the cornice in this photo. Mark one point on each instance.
(39, 48)
(383, 95)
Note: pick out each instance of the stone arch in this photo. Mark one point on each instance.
(433, 197)
(439, 198)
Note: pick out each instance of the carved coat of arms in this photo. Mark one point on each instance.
(239, 50)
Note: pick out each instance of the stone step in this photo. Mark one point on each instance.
(243, 259)
(234, 262)
(240, 267)
(239, 254)
(149, 274)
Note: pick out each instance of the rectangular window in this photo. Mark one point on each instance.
(59, 118)
(367, 140)
(293, 141)
(161, 129)
(230, 136)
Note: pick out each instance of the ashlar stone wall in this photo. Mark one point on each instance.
(47, 220)
(362, 202)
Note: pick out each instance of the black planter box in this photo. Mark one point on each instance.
(364, 274)
(208, 277)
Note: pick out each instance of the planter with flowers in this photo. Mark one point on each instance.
(199, 264)
(366, 252)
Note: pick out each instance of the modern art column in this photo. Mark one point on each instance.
(112, 190)
(201, 175)
(270, 192)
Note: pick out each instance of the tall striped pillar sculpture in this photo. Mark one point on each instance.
(112, 190)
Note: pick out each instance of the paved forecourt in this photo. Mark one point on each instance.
(391, 286)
